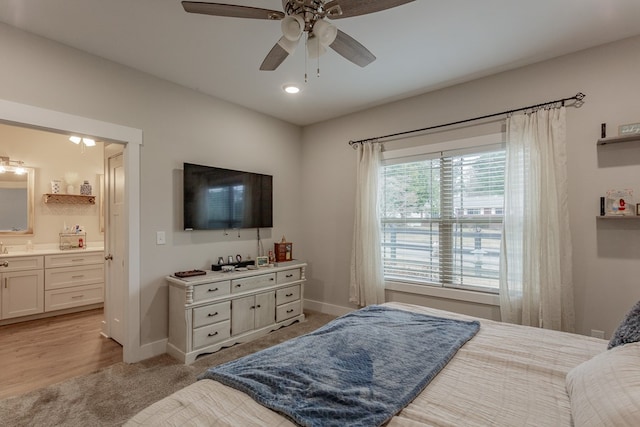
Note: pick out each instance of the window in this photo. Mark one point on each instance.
(442, 218)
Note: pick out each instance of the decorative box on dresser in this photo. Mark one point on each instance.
(220, 309)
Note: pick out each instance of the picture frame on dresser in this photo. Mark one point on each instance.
(262, 261)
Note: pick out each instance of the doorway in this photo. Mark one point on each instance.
(30, 116)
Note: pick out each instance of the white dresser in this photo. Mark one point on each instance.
(207, 313)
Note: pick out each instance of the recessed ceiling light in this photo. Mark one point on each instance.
(291, 88)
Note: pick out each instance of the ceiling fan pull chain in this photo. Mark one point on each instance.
(306, 54)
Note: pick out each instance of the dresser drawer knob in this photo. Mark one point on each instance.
(213, 334)
(4, 264)
(212, 314)
(238, 285)
(212, 290)
(288, 295)
(79, 276)
(290, 311)
(289, 275)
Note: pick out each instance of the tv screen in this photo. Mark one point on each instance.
(217, 199)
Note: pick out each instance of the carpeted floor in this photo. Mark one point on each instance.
(112, 395)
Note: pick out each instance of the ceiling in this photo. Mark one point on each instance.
(420, 46)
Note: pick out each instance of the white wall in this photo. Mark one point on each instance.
(179, 125)
(314, 181)
(52, 155)
(606, 255)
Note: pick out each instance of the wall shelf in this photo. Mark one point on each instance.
(619, 217)
(618, 139)
(71, 199)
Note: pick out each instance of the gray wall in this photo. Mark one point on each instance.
(179, 125)
(314, 169)
(606, 255)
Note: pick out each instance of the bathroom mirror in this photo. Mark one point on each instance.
(16, 202)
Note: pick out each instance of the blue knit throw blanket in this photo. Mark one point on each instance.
(358, 370)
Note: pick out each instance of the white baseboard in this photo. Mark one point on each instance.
(323, 307)
(153, 349)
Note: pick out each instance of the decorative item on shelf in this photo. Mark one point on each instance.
(85, 189)
(262, 261)
(56, 185)
(283, 250)
(71, 179)
(619, 203)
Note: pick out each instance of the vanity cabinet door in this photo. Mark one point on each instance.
(22, 293)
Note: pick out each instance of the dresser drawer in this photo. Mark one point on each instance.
(59, 299)
(285, 295)
(65, 277)
(70, 260)
(211, 334)
(21, 263)
(207, 291)
(288, 276)
(287, 311)
(254, 282)
(210, 314)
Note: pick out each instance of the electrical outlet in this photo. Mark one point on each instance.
(597, 334)
(160, 238)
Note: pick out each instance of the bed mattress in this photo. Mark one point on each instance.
(506, 375)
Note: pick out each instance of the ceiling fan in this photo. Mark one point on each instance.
(305, 16)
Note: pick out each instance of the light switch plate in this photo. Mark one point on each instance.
(160, 238)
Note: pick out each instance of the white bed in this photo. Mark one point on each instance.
(507, 375)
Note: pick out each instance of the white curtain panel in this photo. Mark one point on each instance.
(367, 280)
(536, 287)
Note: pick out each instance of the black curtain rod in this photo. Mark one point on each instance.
(578, 98)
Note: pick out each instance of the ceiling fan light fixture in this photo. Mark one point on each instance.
(75, 139)
(292, 27)
(325, 32)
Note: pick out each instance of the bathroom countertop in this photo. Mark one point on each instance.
(53, 251)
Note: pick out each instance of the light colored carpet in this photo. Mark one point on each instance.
(112, 395)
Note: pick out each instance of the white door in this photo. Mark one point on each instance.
(115, 248)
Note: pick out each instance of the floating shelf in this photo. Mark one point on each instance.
(619, 217)
(71, 199)
(618, 139)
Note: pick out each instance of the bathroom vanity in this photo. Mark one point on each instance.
(46, 283)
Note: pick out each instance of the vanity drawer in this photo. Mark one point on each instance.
(288, 276)
(211, 334)
(65, 277)
(253, 282)
(59, 299)
(210, 314)
(69, 260)
(21, 263)
(210, 290)
(288, 294)
(287, 311)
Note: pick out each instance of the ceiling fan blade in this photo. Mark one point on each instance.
(337, 9)
(352, 50)
(234, 11)
(274, 58)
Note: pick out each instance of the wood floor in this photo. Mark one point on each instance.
(41, 352)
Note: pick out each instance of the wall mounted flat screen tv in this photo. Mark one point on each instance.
(218, 199)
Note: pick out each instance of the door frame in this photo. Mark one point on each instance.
(26, 115)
